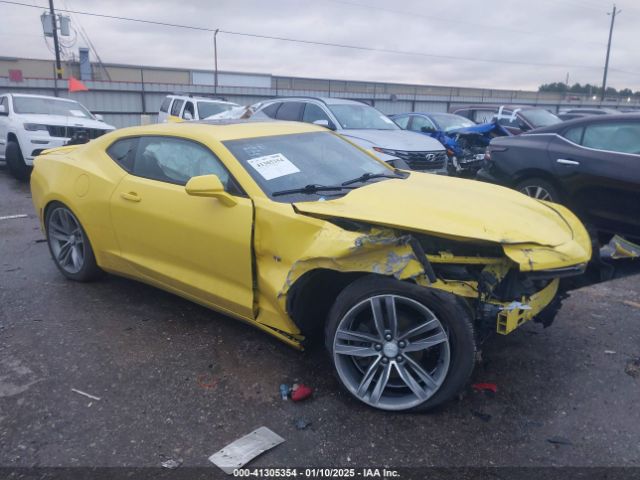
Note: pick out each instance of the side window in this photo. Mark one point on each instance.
(189, 110)
(574, 135)
(418, 123)
(616, 137)
(165, 105)
(270, 110)
(313, 113)
(290, 111)
(4, 101)
(402, 122)
(123, 152)
(485, 116)
(175, 109)
(175, 160)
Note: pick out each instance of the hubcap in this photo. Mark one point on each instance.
(66, 240)
(391, 352)
(536, 191)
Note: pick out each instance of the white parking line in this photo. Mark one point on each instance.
(9, 217)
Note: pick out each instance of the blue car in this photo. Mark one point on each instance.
(464, 140)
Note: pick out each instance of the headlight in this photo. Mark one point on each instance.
(32, 127)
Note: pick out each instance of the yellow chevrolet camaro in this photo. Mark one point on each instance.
(296, 231)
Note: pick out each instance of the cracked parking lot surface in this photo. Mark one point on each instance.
(177, 380)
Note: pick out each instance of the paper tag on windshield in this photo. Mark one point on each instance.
(77, 113)
(273, 166)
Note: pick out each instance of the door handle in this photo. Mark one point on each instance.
(564, 161)
(131, 196)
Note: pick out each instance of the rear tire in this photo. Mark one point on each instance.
(539, 189)
(69, 244)
(399, 346)
(15, 162)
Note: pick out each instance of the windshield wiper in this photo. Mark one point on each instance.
(369, 176)
(309, 189)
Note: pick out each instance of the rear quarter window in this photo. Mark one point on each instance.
(165, 105)
(123, 152)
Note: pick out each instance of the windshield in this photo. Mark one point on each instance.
(539, 117)
(285, 162)
(206, 109)
(50, 106)
(352, 116)
(448, 122)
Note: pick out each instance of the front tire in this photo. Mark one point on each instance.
(15, 162)
(69, 245)
(399, 346)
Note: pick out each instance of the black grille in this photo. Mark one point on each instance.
(68, 132)
(423, 160)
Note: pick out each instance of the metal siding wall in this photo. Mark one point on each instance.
(388, 107)
(431, 107)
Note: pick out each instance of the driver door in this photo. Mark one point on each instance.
(195, 246)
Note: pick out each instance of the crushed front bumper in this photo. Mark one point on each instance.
(514, 314)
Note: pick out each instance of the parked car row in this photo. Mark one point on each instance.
(319, 218)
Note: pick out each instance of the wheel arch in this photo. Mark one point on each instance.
(311, 297)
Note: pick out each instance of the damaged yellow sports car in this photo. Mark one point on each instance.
(291, 228)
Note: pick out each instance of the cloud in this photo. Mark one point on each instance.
(569, 33)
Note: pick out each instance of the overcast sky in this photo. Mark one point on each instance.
(570, 33)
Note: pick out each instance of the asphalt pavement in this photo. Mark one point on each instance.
(177, 381)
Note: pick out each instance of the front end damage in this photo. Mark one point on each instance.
(503, 292)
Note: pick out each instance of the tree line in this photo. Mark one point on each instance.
(588, 89)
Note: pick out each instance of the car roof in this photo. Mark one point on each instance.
(200, 98)
(497, 105)
(325, 100)
(222, 130)
(586, 120)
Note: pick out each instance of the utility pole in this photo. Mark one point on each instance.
(215, 59)
(55, 40)
(613, 14)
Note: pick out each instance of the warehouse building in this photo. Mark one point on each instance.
(129, 95)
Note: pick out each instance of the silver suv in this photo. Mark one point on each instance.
(364, 126)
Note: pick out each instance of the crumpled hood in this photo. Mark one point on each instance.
(450, 207)
(392, 139)
(61, 120)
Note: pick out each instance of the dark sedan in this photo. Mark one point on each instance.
(590, 164)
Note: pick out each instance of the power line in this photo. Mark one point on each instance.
(315, 42)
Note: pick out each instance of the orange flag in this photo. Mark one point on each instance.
(76, 85)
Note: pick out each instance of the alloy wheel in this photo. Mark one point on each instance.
(391, 352)
(66, 240)
(536, 191)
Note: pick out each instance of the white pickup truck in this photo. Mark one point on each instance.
(30, 124)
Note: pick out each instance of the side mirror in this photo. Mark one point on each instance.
(187, 116)
(99, 117)
(325, 123)
(3, 110)
(209, 186)
(428, 130)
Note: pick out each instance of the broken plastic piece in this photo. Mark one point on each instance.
(484, 387)
(618, 248)
(171, 464)
(302, 392)
(302, 423)
(80, 392)
(284, 391)
(243, 450)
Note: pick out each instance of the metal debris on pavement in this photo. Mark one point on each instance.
(88, 395)
(610, 352)
(485, 417)
(633, 368)
(618, 248)
(301, 423)
(9, 217)
(284, 391)
(243, 450)
(171, 464)
(559, 441)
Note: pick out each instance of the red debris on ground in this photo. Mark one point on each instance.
(302, 392)
(485, 387)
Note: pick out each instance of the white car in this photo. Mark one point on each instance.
(365, 126)
(177, 108)
(30, 124)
